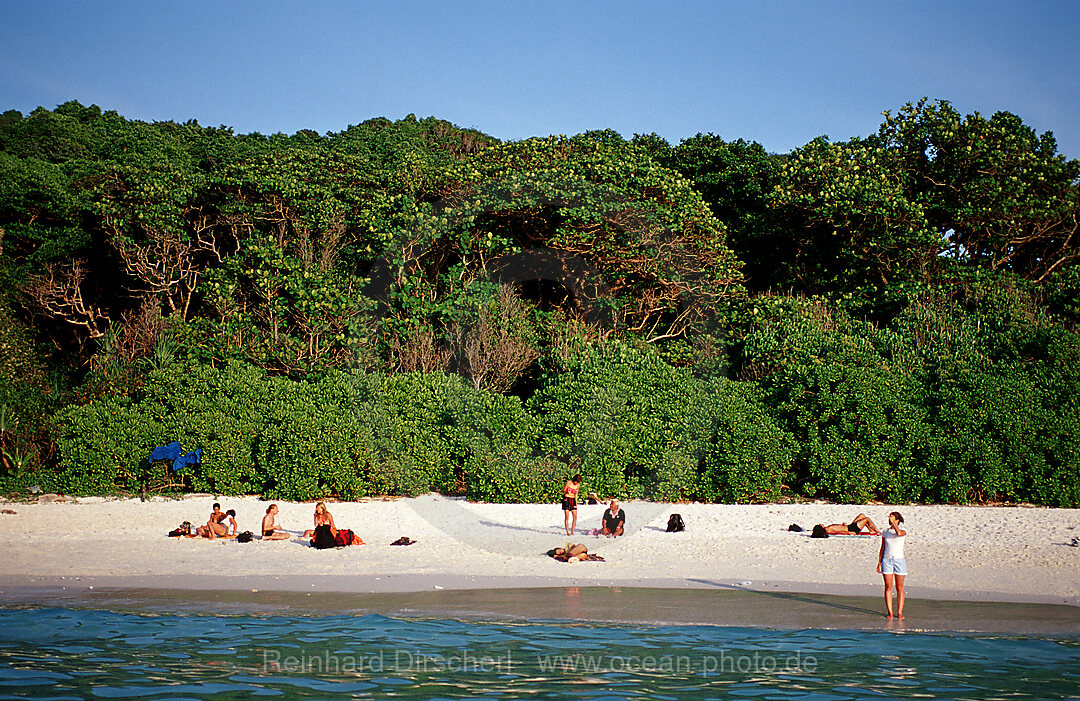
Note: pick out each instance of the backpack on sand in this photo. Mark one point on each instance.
(675, 524)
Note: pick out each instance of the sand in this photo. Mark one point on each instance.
(997, 554)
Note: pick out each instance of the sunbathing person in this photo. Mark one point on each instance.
(217, 527)
(859, 524)
(614, 520)
(270, 528)
(573, 553)
(322, 518)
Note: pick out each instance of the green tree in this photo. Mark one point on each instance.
(997, 192)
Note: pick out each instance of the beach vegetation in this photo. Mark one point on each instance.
(407, 306)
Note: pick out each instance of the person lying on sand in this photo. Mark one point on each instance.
(614, 520)
(270, 528)
(858, 525)
(573, 553)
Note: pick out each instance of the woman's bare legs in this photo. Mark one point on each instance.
(900, 595)
(569, 526)
(888, 594)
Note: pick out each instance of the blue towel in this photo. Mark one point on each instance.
(174, 452)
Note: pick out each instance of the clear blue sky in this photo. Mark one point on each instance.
(780, 73)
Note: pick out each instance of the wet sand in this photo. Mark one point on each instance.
(722, 605)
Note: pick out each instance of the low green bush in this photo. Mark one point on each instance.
(614, 415)
(747, 456)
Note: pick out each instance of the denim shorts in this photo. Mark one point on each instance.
(893, 565)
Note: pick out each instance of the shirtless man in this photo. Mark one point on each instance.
(270, 528)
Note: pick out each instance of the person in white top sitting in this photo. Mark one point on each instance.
(891, 563)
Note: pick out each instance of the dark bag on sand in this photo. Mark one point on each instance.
(675, 524)
(245, 537)
(819, 532)
(323, 538)
(184, 529)
(795, 528)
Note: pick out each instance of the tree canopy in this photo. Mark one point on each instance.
(843, 302)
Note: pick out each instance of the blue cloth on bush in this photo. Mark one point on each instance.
(175, 452)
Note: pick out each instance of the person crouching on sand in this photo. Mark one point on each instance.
(891, 563)
(614, 520)
(270, 528)
(569, 503)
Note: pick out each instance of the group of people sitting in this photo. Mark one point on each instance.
(222, 524)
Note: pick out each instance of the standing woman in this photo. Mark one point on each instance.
(569, 503)
(891, 563)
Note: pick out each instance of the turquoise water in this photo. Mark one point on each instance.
(55, 653)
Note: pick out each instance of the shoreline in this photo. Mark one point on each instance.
(957, 554)
(368, 584)
(613, 605)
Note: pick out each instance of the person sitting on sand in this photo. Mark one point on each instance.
(614, 520)
(217, 527)
(322, 518)
(858, 525)
(270, 528)
(215, 517)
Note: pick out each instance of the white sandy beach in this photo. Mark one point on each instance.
(1016, 554)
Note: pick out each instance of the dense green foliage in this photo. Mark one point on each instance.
(409, 306)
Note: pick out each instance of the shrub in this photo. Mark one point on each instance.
(747, 456)
(849, 394)
(614, 415)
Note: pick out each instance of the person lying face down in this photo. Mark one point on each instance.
(614, 520)
(859, 524)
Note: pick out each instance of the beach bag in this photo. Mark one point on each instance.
(795, 528)
(323, 538)
(183, 529)
(245, 537)
(347, 537)
(675, 524)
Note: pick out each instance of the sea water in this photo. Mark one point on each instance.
(64, 653)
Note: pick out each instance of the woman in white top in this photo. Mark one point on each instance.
(891, 563)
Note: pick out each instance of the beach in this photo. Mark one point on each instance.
(960, 553)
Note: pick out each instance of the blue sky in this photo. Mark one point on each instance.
(780, 73)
